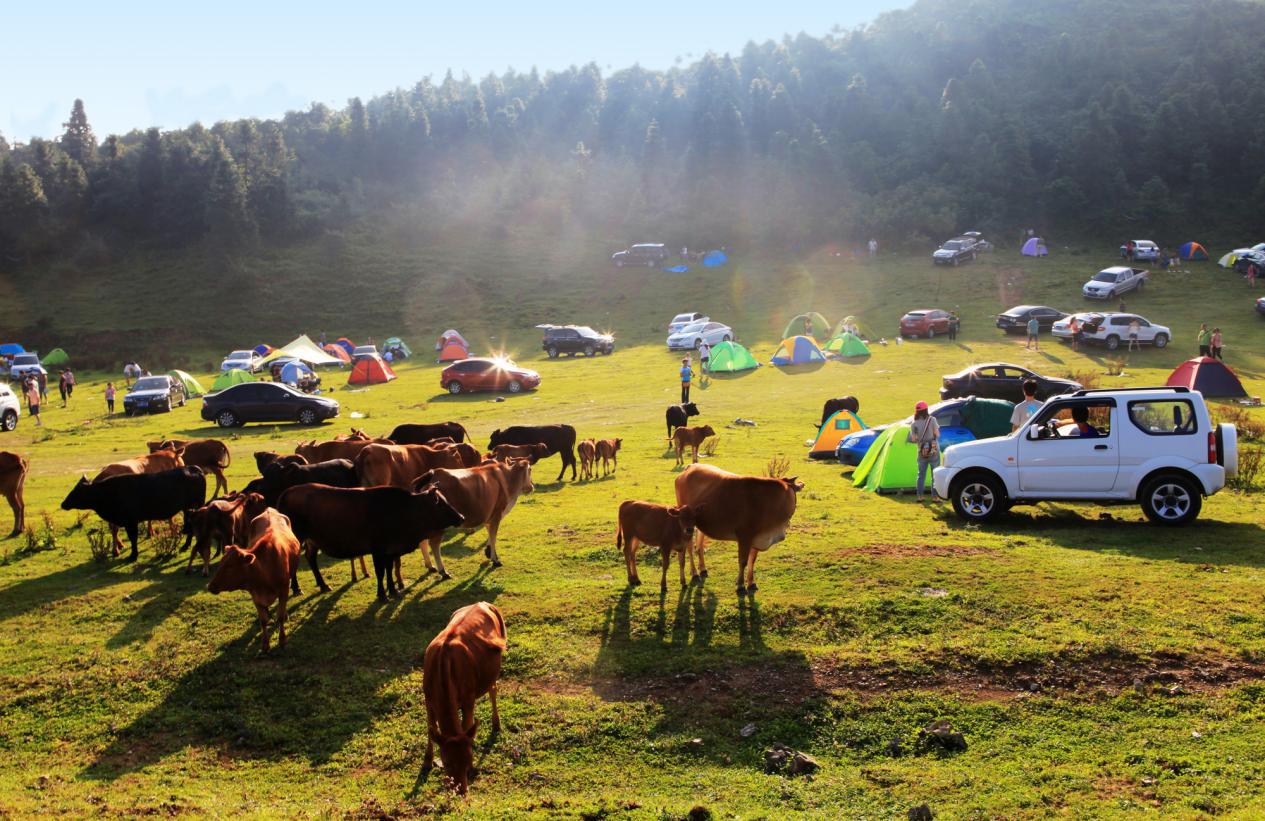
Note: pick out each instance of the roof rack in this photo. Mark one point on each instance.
(1089, 391)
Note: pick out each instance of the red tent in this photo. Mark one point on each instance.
(454, 348)
(370, 371)
(1209, 376)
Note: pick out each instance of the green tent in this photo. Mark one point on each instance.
(55, 358)
(229, 378)
(891, 463)
(396, 342)
(821, 327)
(730, 357)
(986, 418)
(192, 388)
(847, 345)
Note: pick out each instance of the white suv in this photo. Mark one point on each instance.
(1154, 446)
(10, 408)
(242, 360)
(1111, 330)
(1110, 283)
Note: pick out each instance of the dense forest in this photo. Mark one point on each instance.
(1079, 117)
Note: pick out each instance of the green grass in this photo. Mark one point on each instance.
(128, 689)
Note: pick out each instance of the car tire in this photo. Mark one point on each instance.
(588, 350)
(1112, 342)
(553, 353)
(977, 497)
(9, 422)
(454, 387)
(226, 419)
(619, 263)
(1171, 499)
(931, 333)
(514, 386)
(1160, 341)
(725, 338)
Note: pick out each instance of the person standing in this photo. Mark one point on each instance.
(33, 400)
(1205, 339)
(704, 355)
(1215, 343)
(954, 324)
(61, 387)
(873, 246)
(1075, 327)
(70, 383)
(109, 397)
(924, 431)
(1034, 334)
(1251, 275)
(687, 373)
(1024, 410)
(1134, 329)
(42, 378)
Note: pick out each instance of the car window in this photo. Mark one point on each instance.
(1121, 320)
(1045, 312)
(1013, 373)
(151, 383)
(1167, 417)
(1104, 276)
(1075, 420)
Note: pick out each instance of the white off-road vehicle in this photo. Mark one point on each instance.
(10, 408)
(1157, 447)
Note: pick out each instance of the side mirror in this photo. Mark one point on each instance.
(1034, 432)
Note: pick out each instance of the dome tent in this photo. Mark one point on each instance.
(820, 326)
(263, 349)
(891, 463)
(1193, 251)
(730, 357)
(714, 259)
(294, 372)
(371, 370)
(1034, 247)
(397, 347)
(55, 358)
(232, 377)
(1211, 377)
(338, 352)
(840, 424)
(346, 344)
(453, 347)
(192, 387)
(797, 350)
(847, 345)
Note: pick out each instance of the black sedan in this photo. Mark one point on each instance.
(265, 402)
(153, 394)
(1015, 321)
(998, 380)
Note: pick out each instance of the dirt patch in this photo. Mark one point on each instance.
(916, 551)
(1009, 281)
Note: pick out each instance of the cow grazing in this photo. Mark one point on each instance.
(427, 434)
(263, 569)
(587, 450)
(532, 453)
(224, 522)
(461, 664)
(754, 511)
(211, 455)
(129, 499)
(264, 458)
(315, 452)
(671, 529)
(400, 465)
(153, 462)
(692, 438)
(483, 495)
(12, 479)
(833, 406)
(679, 415)
(382, 522)
(559, 439)
(608, 452)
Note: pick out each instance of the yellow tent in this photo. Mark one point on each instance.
(840, 424)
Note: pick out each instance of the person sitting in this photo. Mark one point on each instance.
(1080, 415)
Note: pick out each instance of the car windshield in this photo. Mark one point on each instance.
(1104, 276)
(239, 355)
(26, 359)
(952, 245)
(150, 383)
(683, 318)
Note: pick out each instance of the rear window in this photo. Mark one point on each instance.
(915, 315)
(1164, 417)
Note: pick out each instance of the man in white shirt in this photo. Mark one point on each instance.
(705, 354)
(1024, 410)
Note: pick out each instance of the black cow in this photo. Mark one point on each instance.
(833, 406)
(678, 415)
(281, 476)
(560, 439)
(425, 434)
(129, 499)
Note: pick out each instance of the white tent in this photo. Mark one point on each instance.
(305, 349)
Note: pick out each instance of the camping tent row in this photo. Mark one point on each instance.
(1229, 259)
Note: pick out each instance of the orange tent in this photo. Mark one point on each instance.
(370, 371)
(338, 352)
(454, 348)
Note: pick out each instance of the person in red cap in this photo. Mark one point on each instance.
(924, 431)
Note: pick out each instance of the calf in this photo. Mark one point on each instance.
(608, 451)
(461, 664)
(668, 528)
(211, 455)
(264, 569)
(692, 438)
(13, 470)
(587, 449)
(223, 521)
(400, 465)
(264, 458)
(483, 495)
(678, 415)
(833, 406)
(427, 434)
(532, 453)
(559, 439)
(129, 499)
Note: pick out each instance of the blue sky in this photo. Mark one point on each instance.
(144, 62)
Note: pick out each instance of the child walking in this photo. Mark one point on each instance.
(109, 397)
(686, 374)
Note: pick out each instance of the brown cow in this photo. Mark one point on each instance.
(264, 458)
(532, 453)
(400, 465)
(608, 451)
(12, 479)
(461, 664)
(692, 438)
(315, 451)
(671, 529)
(586, 449)
(754, 511)
(466, 452)
(483, 495)
(154, 462)
(223, 521)
(264, 569)
(356, 435)
(209, 454)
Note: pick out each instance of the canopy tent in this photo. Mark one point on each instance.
(346, 344)
(797, 350)
(1193, 251)
(840, 424)
(847, 345)
(263, 349)
(294, 372)
(810, 324)
(192, 387)
(1209, 376)
(891, 463)
(338, 352)
(54, 358)
(1034, 247)
(232, 377)
(371, 370)
(11, 349)
(454, 348)
(730, 357)
(714, 259)
(397, 347)
(305, 349)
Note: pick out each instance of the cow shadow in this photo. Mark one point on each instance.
(158, 601)
(326, 688)
(78, 580)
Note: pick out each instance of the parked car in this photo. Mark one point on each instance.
(265, 402)
(981, 244)
(25, 364)
(154, 394)
(691, 336)
(1260, 305)
(574, 339)
(363, 352)
(1157, 447)
(1015, 321)
(1112, 330)
(956, 251)
(484, 374)
(999, 380)
(10, 408)
(1110, 283)
(649, 254)
(925, 322)
(681, 320)
(242, 360)
(1140, 250)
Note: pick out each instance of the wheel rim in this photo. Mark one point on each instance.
(10, 421)
(1170, 501)
(514, 387)
(1161, 341)
(977, 499)
(307, 417)
(227, 419)
(454, 387)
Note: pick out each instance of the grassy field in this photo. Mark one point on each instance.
(1096, 665)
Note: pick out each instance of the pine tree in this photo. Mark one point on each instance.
(78, 140)
(229, 224)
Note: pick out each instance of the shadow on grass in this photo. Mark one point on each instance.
(87, 577)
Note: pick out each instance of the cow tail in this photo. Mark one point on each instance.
(228, 459)
(465, 437)
(619, 537)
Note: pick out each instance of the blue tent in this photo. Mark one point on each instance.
(677, 269)
(715, 259)
(798, 350)
(11, 349)
(292, 372)
(264, 350)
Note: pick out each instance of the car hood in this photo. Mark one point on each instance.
(943, 252)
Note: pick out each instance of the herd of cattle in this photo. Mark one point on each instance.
(358, 496)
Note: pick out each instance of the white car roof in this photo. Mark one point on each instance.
(1116, 269)
(240, 354)
(1145, 242)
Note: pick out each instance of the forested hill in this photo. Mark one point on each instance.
(1074, 116)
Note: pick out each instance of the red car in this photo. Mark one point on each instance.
(926, 322)
(484, 374)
